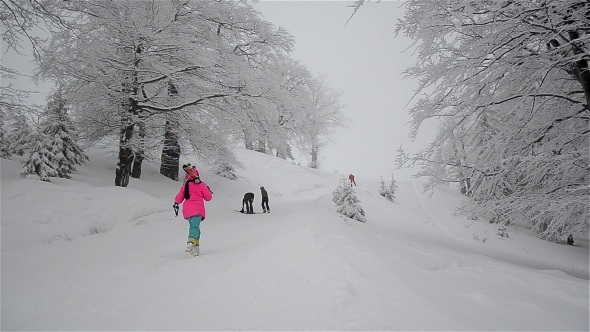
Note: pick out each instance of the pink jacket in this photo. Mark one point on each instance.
(195, 205)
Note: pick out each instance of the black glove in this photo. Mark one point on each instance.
(176, 208)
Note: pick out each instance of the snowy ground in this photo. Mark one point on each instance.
(82, 254)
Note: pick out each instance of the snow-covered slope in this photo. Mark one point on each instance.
(82, 254)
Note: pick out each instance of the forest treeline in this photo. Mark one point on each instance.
(509, 85)
(162, 79)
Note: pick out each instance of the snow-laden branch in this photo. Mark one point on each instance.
(193, 102)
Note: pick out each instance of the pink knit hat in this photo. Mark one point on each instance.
(191, 171)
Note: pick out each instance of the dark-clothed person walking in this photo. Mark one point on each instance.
(265, 207)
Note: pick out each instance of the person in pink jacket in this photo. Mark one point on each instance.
(193, 193)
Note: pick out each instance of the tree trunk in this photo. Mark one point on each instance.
(314, 152)
(139, 154)
(248, 142)
(581, 70)
(290, 153)
(170, 160)
(125, 153)
(170, 151)
(459, 156)
(130, 89)
(314, 157)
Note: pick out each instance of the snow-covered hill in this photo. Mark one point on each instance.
(82, 254)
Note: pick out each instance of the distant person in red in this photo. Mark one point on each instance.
(351, 178)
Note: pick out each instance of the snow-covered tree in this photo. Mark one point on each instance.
(37, 159)
(323, 116)
(338, 191)
(13, 101)
(170, 159)
(348, 203)
(18, 19)
(19, 25)
(61, 136)
(18, 135)
(120, 58)
(382, 188)
(4, 146)
(124, 68)
(279, 115)
(392, 187)
(510, 85)
(388, 191)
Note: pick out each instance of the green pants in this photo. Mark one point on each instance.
(194, 232)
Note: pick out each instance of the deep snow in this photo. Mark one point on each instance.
(82, 254)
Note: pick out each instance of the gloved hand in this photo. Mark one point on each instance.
(176, 208)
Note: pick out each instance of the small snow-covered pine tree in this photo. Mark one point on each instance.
(392, 188)
(37, 157)
(349, 204)
(338, 191)
(388, 191)
(384, 190)
(18, 135)
(60, 132)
